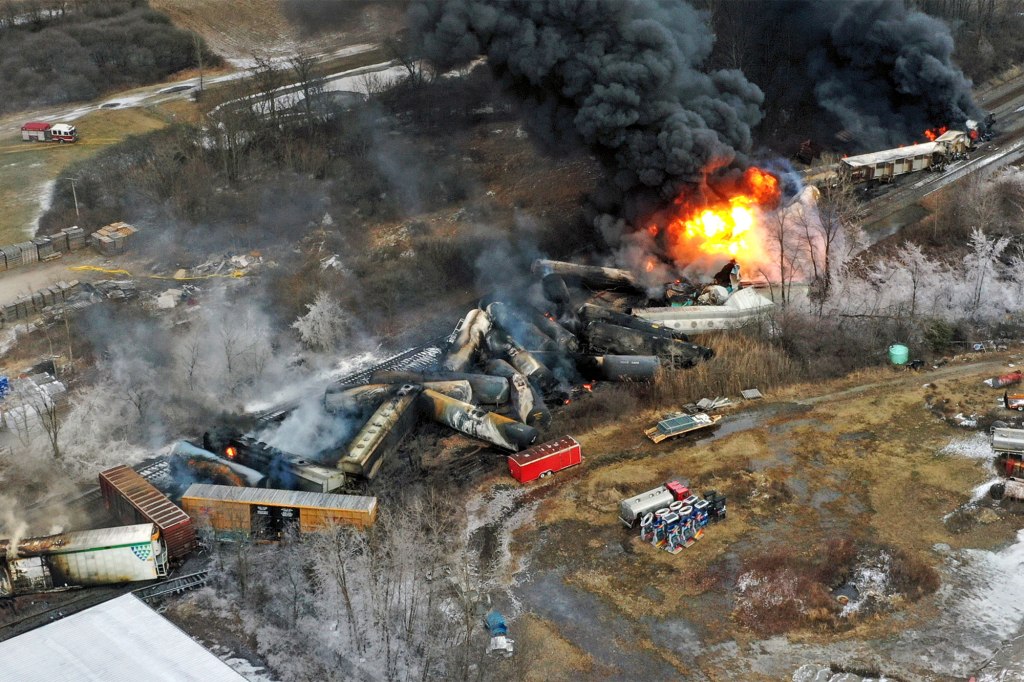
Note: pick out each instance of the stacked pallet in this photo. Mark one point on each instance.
(43, 248)
(112, 239)
(33, 303)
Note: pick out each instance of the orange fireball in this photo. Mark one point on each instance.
(728, 228)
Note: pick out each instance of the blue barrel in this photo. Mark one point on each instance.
(898, 354)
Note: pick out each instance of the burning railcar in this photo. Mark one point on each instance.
(889, 164)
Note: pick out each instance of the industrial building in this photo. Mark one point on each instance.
(116, 641)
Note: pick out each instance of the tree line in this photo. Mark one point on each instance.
(56, 52)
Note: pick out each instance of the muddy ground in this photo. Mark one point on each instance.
(873, 460)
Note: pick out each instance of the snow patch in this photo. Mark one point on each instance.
(975, 446)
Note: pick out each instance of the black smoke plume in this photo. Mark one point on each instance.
(621, 77)
(879, 70)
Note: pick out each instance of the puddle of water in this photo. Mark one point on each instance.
(980, 612)
(748, 420)
(799, 488)
(786, 427)
(857, 435)
(678, 636)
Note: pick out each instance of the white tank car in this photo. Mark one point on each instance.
(82, 559)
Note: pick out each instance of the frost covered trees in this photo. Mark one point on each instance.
(325, 325)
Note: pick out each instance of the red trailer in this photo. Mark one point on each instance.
(133, 499)
(545, 458)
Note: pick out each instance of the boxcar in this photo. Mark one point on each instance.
(266, 514)
(82, 559)
(133, 499)
(545, 458)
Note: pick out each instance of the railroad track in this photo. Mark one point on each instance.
(173, 586)
(416, 359)
(413, 360)
(89, 597)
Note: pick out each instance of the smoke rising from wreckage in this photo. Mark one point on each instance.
(685, 193)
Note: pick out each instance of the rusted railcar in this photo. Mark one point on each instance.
(265, 514)
(133, 499)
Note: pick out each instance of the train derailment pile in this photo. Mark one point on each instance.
(508, 362)
(496, 377)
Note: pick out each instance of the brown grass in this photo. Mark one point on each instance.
(912, 576)
(740, 362)
(783, 594)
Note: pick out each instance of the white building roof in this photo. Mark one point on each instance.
(121, 640)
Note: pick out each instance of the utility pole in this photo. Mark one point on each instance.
(78, 216)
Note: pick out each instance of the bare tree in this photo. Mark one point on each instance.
(268, 79)
(50, 418)
(189, 353)
(197, 45)
(311, 84)
(782, 237)
(400, 48)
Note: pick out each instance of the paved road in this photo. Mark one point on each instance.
(160, 93)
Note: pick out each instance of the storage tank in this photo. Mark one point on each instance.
(631, 509)
(1008, 440)
(898, 354)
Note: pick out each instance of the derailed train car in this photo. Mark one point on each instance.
(887, 165)
(107, 556)
(133, 499)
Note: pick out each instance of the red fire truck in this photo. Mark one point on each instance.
(37, 131)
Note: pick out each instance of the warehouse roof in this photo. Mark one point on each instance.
(886, 155)
(283, 498)
(121, 640)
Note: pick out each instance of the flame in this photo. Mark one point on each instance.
(589, 387)
(933, 133)
(729, 227)
(231, 452)
(974, 134)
